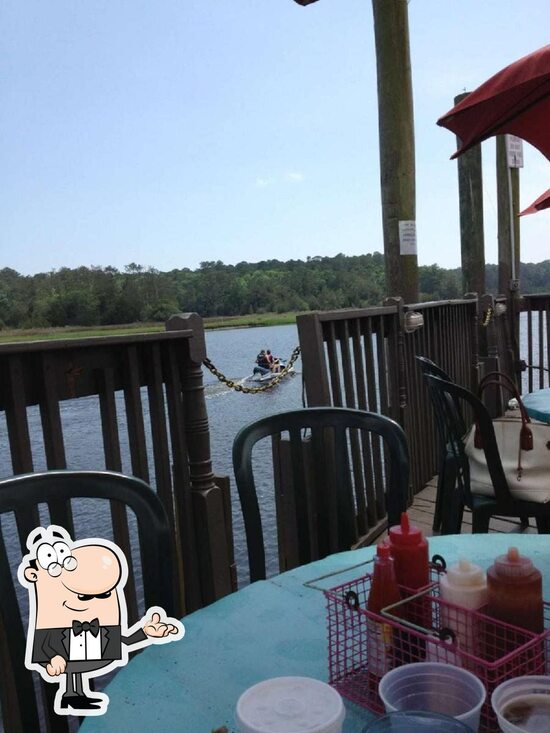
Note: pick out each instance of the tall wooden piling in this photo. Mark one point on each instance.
(470, 191)
(508, 221)
(396, 131)
(509, 241)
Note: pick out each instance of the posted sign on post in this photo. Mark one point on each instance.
(514, 151)
(407, 237)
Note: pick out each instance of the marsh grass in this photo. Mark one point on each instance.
(41, 334)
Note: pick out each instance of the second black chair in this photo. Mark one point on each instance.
(334, 482)
(458, 491)
(446, 468)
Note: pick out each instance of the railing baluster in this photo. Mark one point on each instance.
(16, 418)
(134, 415)
(113, 462)
(50, 414)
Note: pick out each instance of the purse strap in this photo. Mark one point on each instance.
(526, 435)
(503, 380)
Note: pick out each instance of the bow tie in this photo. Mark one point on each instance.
(92, 627)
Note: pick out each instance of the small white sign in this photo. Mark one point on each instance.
(514, 151)
(407, 237)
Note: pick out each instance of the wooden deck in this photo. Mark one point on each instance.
(422, 511)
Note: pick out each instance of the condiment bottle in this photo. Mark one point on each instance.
(409, 550)
(383, 592)
(515, 591)
(465, 585)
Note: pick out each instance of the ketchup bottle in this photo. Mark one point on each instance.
(515, 592)
(409, 550)
(383, 592)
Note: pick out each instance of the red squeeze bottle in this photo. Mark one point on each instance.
(515, 591)
(409, 550)
(383, 592)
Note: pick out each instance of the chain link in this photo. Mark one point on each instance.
(488, 317)
(254, 390)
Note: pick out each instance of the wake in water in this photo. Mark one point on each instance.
(218, 389)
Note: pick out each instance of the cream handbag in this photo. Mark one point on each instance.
(524, 447)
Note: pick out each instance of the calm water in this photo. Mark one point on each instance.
(233, 351)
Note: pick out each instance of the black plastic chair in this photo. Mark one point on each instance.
(446, 456)
(322, 502)
(22, 495)
(457, 490)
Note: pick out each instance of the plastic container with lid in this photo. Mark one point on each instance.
(290, 705)
(515, 592)
(409, 550)
(464, 585)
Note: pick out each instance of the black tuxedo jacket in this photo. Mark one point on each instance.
(49, 643)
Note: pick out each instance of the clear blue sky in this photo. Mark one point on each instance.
(176, 131)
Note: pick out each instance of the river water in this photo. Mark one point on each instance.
(233, 351)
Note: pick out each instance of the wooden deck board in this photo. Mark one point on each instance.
(422, 511)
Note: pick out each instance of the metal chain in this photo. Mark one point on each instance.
(487, 318)
(254, 390)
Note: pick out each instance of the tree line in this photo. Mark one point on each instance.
(90, 296)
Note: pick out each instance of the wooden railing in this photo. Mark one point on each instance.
(537, 352)
(517, 339)
(366, 359)
(164, 422)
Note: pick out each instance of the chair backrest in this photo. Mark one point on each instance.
(448, 398)
(428, 367)
(22, 501)
(322, 492)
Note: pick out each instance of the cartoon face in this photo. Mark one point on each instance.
(78, 584)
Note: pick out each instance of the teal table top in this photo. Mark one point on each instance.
(268, 629)
(537, 404)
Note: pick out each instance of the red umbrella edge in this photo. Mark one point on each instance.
(516, 100)
(543, 202)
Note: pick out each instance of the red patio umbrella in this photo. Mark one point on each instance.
(516, 100)
(543, 202)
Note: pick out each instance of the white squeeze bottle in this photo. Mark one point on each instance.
(465, 585)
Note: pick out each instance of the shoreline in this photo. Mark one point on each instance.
(214, 323)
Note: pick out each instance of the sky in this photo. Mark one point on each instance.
(173, 132)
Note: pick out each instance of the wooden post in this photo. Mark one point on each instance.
(470, 192)
(508, 270)
(396, 132)
(316, 379)
(208, 503)
(509, 241)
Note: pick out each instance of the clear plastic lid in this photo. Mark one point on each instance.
(513, 565)
(290, 705)
(465, 573)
